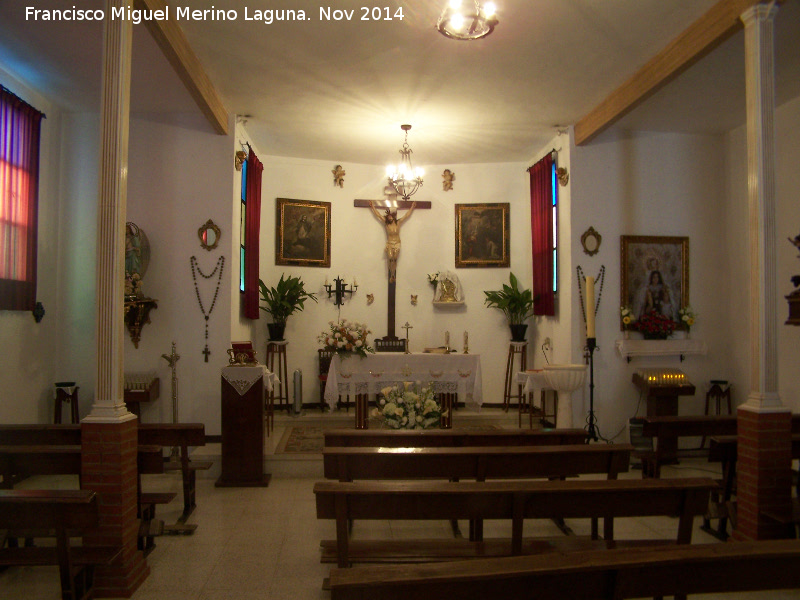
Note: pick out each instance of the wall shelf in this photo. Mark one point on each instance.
(629, 349)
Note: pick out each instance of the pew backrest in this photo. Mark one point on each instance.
(451, 438)
(620, 574)
(479, 463)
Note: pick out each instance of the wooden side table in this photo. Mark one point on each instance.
(514, 349)
(276, 353)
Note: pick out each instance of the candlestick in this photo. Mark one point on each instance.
(447, 339)
(466, 342)
(590, 326)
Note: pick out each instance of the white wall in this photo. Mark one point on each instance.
(29, 366)
(428, 245)
(652, 184)
(179, 177)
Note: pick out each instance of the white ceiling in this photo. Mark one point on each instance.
(340, 90)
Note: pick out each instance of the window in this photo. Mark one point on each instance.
(243, 227)
(554, 183)
(19, 191)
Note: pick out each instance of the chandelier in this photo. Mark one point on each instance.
(470, 22)
(405, 179)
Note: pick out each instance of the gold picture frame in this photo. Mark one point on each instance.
(648, 261)
(303, 233)
(482, 235)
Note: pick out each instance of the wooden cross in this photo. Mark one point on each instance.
(391, 203)
(206, 352)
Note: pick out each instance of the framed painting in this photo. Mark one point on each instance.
(482, 235)
(655, 275)
(303, 236)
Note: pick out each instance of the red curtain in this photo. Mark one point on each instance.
(19, 198)
(541, 175)
(251, 235)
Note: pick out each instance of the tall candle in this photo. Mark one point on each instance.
(447, 338)
(590, 332)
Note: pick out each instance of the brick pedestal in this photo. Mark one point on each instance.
(763, 472)
(108, 467)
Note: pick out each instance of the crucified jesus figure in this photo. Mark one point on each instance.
(392, 224)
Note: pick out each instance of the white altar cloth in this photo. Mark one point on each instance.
(242, 377)
(450, 373)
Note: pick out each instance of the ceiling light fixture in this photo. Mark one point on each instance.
(467, 23)
(405, 179)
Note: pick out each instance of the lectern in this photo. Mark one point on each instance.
(663, 387)
(242, 405)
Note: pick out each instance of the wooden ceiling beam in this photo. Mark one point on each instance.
(706, 33)
(173, 43)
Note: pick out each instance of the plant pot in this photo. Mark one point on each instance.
(276, 331)
(518, 332)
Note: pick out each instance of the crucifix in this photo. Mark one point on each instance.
(392, 223)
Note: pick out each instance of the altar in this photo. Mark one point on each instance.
(362, 377)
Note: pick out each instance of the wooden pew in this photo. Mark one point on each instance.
(478, 463)
(591, 575)
(723, 449)
(671, 428)
(451, 438)
(167, 435)
(512, 500)
(181, 435)
(68, 512)
(26, 461)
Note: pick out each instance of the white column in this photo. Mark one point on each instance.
(760, 94)
(109, 405)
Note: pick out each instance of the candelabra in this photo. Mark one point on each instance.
(591, 422)
(339, 289)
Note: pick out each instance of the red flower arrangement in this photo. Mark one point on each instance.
(655, 325)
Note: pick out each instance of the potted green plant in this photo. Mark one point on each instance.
(516, 304)
(287, 298)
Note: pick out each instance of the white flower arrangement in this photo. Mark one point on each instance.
(346, 337)
(687, 316)
(433, 278)
(626, 314)
(410, 406)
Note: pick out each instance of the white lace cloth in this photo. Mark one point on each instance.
(242, 377)
(451, 373)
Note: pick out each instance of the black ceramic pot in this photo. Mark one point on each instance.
(518, 332)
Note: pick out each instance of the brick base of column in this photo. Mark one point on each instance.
(109, 468)
(763, 472)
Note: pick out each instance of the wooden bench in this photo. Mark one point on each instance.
(723, 449)
(167, 435)
(511, 500)
(669, 429)
(20, 461)
(182, 435)
(69, 513)
(451, 438)
(478, 463)
(591, 575)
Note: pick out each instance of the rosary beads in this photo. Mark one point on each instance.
(195, 270)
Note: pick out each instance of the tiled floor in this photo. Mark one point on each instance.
(263, 543)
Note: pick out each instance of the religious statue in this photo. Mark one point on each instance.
(338, 176)
(448, 177)
(392, 224)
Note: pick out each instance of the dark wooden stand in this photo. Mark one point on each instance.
(243, 437)
(662, 401)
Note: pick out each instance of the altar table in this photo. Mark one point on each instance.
(449, 373)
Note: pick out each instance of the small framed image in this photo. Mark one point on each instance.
(303, 233)
(482, 235)
(655, 275)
